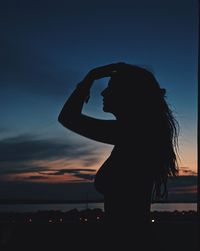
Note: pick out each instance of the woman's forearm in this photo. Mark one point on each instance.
(71, 112)
(73, 106)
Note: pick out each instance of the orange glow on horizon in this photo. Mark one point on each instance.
(61, 170)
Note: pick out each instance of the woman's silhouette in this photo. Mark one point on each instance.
(144, 135)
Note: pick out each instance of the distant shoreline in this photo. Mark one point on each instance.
(47, 201)
(12, 202)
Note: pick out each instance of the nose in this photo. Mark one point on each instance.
(103, 92)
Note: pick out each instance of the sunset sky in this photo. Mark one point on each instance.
(46, 49)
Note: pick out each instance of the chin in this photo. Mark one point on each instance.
(106, 109)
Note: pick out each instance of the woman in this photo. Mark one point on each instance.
(144, 135)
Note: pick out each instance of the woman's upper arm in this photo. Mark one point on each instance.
(97, 129)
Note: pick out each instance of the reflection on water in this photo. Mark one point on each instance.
(82, 206)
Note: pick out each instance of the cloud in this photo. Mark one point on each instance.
(187, 171)
(183, 181)
(83, 173)
(186, 189)
(21, 168)
(34, 177)
(89, 160)
(3, 130)
(21, 154)
(183, 188)
(85, 176)
(29, 147)
(35, 74)
(71, 171)
(26, 67)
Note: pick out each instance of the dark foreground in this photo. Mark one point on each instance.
(84, 230)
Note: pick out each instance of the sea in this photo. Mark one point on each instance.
(64, 207)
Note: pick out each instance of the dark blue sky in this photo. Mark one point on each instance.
(46, 49)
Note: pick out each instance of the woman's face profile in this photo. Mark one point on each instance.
(111, 97)
(122, 96)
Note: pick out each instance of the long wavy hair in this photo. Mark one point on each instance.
(169, 152)
(165, 126)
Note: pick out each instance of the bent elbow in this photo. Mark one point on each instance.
(61, 118)
(66, 119)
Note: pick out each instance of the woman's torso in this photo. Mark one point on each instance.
(126, 180)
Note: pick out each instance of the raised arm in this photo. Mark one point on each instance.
(71, 115)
